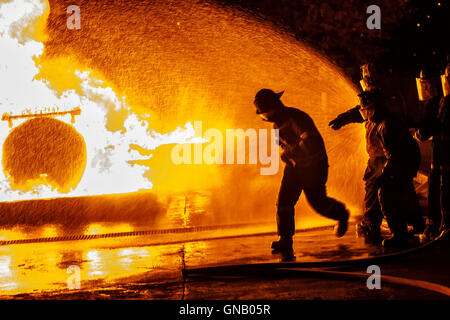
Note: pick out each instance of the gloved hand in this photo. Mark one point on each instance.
(337, 123)
(285, 158)
(350, 116)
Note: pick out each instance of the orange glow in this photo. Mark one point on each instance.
(205, 63)
(140, 86)
(44, 151)
(98, 228)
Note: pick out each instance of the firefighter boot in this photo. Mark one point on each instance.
(284, 246)
(399, 228)
(371, 233)
(445, 225)
(398, 240)
(431, 231)
(341, 227)
(417, 223)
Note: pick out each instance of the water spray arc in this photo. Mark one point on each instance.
(181, 75)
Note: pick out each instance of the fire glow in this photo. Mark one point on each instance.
(110, 165)
(128, 92)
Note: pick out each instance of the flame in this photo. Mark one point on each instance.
(199, 62)
(112, 166)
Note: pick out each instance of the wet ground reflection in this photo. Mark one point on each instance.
(159, 258)
(29, 268)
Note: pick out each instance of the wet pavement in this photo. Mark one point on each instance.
(149, 262)
(146, 268)
(34, 267)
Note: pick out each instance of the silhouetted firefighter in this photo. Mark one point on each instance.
(394, 159)
(437, 125)
(306, 169)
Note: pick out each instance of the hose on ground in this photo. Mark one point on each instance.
(322, 269)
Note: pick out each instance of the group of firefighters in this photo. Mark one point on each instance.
(394, 160)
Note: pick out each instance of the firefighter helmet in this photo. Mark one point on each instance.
(267, 100)
(369, 75)
(445, 80)
(425, 86)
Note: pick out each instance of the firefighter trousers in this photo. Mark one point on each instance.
(439, 196)
(395, 199)
(312, 180)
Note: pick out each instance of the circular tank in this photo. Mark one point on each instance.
(44, 151)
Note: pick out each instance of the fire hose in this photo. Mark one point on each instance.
(79, 237)
(318, 268)
(324, 269)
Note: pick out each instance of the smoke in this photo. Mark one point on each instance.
(182, 61)
(111, 166)
(143, 72)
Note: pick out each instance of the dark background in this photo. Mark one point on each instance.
(413, 34)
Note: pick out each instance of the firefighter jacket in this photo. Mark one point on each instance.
(388, 142)
(301, 143)
(437, 125)
(399, 148)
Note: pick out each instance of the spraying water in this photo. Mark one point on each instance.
(143, 72)
(110, 166)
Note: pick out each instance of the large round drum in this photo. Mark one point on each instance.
(44, 151)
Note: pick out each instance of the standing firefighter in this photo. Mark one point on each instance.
(306, 169)
(394, 159)
(437, 125)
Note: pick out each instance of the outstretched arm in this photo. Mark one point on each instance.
(350, 116)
